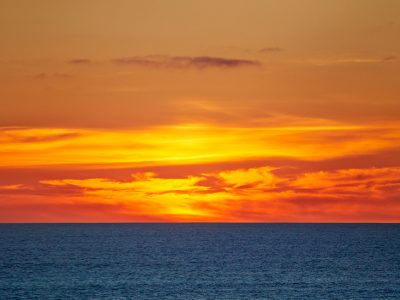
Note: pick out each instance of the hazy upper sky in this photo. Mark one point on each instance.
(258, 106)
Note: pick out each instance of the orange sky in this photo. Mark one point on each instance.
(236, 111)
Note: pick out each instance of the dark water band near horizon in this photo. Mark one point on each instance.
(199, 261)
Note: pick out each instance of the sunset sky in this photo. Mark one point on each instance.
(200, 111)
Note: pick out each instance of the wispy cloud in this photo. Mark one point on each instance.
(44, 138)
(271, 50)
(345, 61)
(42, 76)
(183, 144)
(80, 61)
(183, 62)
(389, 58)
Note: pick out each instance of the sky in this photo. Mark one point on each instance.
(200, 111)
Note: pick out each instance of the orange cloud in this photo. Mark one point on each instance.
(229, 189)
(260, 177)
(188, 144)
(252, 195)
(234, 130)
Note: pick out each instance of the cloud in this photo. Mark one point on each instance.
(80, 61)
(271, 50)
(345, 61)
(36, 136)
(37, 189)
(252, 177)
(184, 62)
(254, 194)
(42, 76)
(189, 144)
(146, 182)
(389, 58)
(367, 182)
(45, 139)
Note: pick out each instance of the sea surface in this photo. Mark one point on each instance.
(199, 261)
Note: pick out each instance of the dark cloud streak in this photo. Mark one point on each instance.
(271, 50)
(80, 61)
(185, 62)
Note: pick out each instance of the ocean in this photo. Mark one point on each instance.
(199, 261)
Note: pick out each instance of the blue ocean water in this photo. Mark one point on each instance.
(200, 261)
